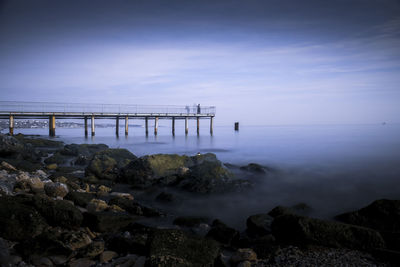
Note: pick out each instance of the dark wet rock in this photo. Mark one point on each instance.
(39, 142)
(138, 173)
(57, 158)
(264, 246)
(9, 146)
(255, 168)
(81, 160)
(298, 209)
(129, 243)
(82, 149)
(58, 212)
(19, 220)
(107, 255)
(223, 233)
(133, 207)
(175, 248)
(106, 164)
(259, 224)
(382, 215)
(243, 254)
(22, 164)
(165, 197)
(93, 249)
(107, 221)
(300, 230)
(190, 221)
(80, 198)
(56, 189)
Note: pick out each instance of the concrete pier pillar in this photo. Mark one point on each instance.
(92, 121)
(86, 128)
(211, 125)
(11, 124)
(117, 126)
(126, 125)
(147, 125)
(52, 125)
(186, 125)
(173, 125)
(155, 125)
(198, 125)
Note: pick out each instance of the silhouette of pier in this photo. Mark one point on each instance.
(55, 111)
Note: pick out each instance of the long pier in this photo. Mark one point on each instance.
(39, 110)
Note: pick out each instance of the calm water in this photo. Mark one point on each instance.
(333, 168)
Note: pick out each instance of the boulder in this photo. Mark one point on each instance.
(7, 166)
(382, 215)
(56, 189)
(96, 205)
(243, 254)
(165, 197)
(133, 207)
(56, 158)
(107, 221)
(107, 255)
(129, 243)
(259, 224)
(82, 149)
(93, 249)
(58, 212)
(255, 168)
(299, 230)
(299, 209)
(106, 164)
(175, 248)
(18, 220)
(9, 146)
(80, 198)
(223, 233)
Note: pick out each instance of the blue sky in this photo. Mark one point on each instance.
(259, 62)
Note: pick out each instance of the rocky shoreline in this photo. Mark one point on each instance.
(80, 205)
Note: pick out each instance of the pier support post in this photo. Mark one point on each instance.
(155, 125)
(117, 126)
(86, 128)
(198, 125)
(52, 125)
(173, 125)
(147, 125)
(92, 121)
(211, 125)
(126, 125)
(11, 124)
(186, 125)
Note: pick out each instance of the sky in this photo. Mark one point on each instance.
(268, 62)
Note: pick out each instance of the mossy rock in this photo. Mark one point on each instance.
(82, 149)
(18, 220)
(106, 164)
(39, 142)
(57, 158)
(176, 248)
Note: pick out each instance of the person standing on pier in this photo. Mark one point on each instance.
(198, 109)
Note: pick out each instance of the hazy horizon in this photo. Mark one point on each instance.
(259, 62)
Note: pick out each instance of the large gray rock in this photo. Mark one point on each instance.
(259, 224)
(299, 230)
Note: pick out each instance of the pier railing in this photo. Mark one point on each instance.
(46, 107)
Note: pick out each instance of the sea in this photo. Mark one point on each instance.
(330, 168)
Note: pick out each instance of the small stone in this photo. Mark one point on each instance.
(115, 208)
(244, 264)
(56, 189)
(243, 254)
(7, 166)
(122, 195)
(96, 205)
(95, 248)
(107, 256)
(103, 189)
(58, 259)
(52, 166)
(84, 262)
(61, 179)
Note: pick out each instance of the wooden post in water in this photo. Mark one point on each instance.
(92, 121)
(173, 125)
(117, 126)
(198, 125)
(211, 125)
(147, 125)
(11, 125)
(52, 125)
(186, 126)
(86, 130)
(126, 125)
(236, 126)
(155, 125)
